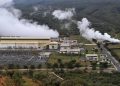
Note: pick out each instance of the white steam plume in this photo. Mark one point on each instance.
(90, 33)
(35, 8)
(5, 2)
(64, 14)
(12, 25)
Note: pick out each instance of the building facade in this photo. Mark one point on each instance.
(69, 47)
(92, 57)
(23, 42)
(54, 46)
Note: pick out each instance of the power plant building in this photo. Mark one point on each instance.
(24, 42)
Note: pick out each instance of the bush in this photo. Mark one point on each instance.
(11, 66)
(39, 66)
(55, 65)
(38, 76)
(32, 67)
(77, 65)
(49, 65)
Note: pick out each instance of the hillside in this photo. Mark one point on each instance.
(104, 14)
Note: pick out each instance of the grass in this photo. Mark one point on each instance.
(117, 46)
(79, 38)
(65, 58)
(2, 81)
(29, 82)
(117, 36)
(90, 49)
(92, 79)
(117, 51)
(6, 81)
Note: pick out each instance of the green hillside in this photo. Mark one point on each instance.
(104, 14)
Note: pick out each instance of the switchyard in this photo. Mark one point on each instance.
(22, 57)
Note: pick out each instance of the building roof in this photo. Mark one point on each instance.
(65, 45)
(25, 38)
(54, 43)
(91, 54)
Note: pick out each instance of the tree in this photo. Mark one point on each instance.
(30, 73)
(62, 65)
(25, 67)
(10, 73)
(39, 66)
(96, 50)
(11, 66)
(103, 65)
(73, 82)
(98, 44)
(70, 65)
(77, 65)
(49, 65)
(73, 61)
(38, 76)
(59, 61)
(32, 67)
(18, 66)
(17, 77)
(86, 51)
(94, 65)
(94, 40)
(55, 65)
(1, 67)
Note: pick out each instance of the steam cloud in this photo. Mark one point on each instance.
(83, 26)
(12, 25)
(63, 15)
(35, 8)
(90, 33)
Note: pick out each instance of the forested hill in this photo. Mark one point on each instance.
(104, 14)
(67, 2)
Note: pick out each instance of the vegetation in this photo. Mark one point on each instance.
(93, 79)
(71, 78)
(64, 70)
(115, 51)
(104, 14)
(65, 58)
(79, 38)
(94, 65)
(91, 49)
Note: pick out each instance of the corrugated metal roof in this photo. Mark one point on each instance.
(34, 38)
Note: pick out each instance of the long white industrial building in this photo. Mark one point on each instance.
(24, 42)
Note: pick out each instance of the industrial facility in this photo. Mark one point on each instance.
(25, 43)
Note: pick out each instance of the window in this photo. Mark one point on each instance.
(53, 47)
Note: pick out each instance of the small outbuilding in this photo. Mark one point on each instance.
(92, 57)
(53, 45)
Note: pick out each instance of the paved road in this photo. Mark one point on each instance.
(65, 69)
(56, 75)
(114, 61)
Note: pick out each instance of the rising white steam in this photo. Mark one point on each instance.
(12, 25)
(90, 33)
(5, 2)
(35, 8)
(64, 14)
